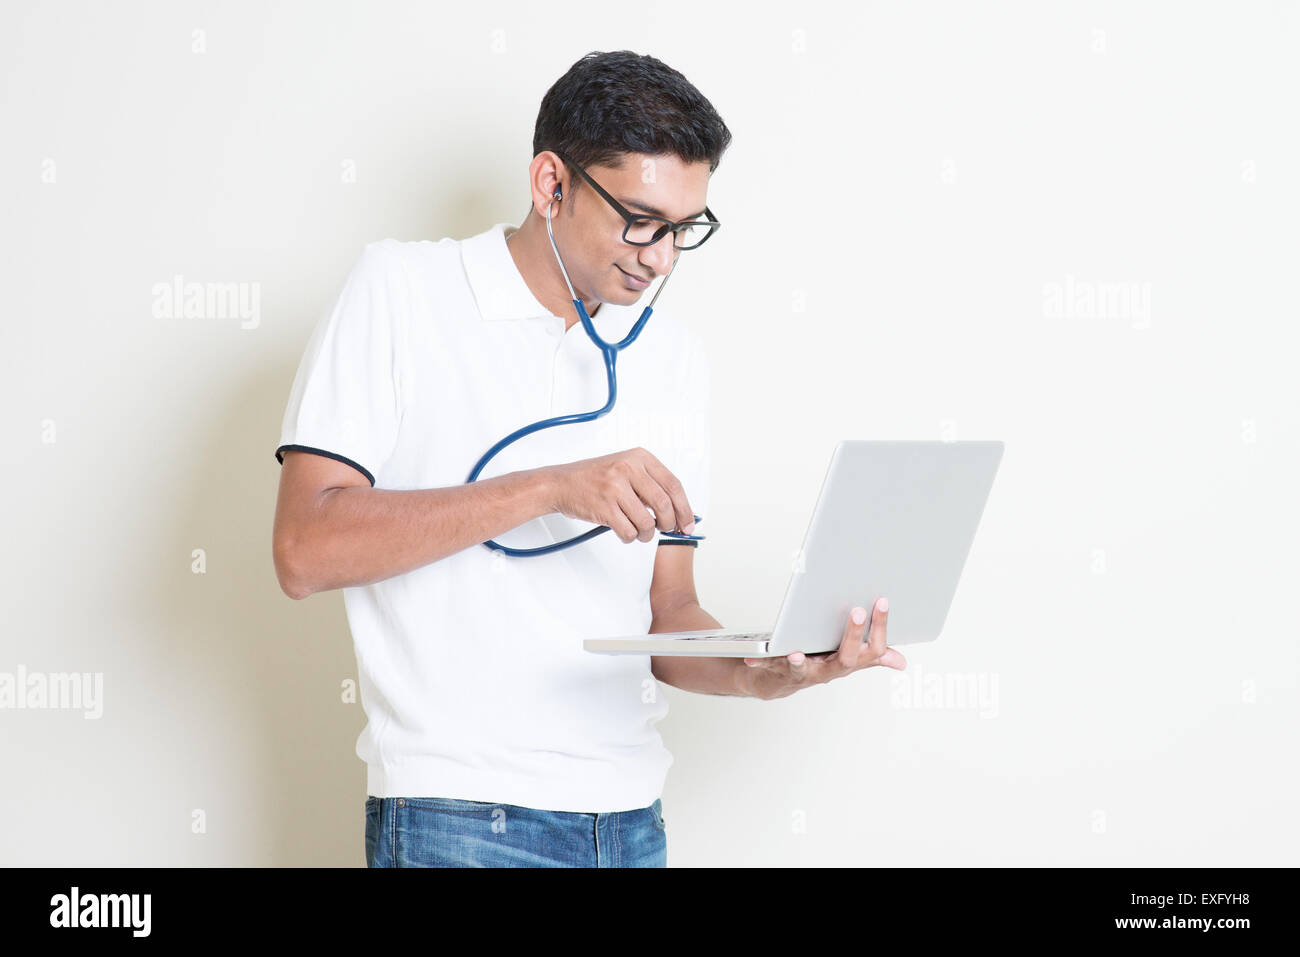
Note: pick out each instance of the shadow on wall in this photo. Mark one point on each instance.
(268, 669)
(273, 667)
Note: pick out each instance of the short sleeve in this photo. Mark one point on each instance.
(693, 435)
(345, 402)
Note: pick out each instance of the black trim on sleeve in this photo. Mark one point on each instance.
(279, 457)
(679, 541)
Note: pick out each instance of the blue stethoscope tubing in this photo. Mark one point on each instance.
(610, 352)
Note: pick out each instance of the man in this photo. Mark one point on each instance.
(492, 737)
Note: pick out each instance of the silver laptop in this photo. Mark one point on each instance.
(894, 518)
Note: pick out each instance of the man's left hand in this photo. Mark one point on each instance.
(777, 677)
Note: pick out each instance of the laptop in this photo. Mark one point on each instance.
(894, 518)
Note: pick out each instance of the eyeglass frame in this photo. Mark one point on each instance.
(629, 216)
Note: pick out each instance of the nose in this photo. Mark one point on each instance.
(659, 258)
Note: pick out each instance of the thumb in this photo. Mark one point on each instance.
(892, 659)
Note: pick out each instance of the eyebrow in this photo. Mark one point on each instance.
(657, 212)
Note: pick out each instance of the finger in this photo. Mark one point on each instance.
(656, 498)
(683, 517)
(642, 522)
(798, 665)
(851, 643)
(819, 669)
(876, 636)
(622, 526)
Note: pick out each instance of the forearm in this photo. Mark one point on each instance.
(359, 535)
(702, 675)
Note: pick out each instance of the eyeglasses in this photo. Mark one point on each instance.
(643, 230)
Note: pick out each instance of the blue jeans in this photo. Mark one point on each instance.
(447, 832)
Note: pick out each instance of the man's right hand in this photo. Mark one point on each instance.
(621, 490)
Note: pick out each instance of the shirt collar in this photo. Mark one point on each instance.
(498, 287)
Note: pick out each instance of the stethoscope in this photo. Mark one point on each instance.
(610, 353)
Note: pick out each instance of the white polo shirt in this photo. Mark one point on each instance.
(471, 669)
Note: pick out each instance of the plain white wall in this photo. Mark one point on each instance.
(912, 191)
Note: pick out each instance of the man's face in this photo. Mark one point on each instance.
(600, 266)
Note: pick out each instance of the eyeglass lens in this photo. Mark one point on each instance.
(643, 231)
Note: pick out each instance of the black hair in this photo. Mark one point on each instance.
(609, 104)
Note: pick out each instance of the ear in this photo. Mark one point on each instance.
(545, 180)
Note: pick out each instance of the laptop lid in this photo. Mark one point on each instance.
(894, 518)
